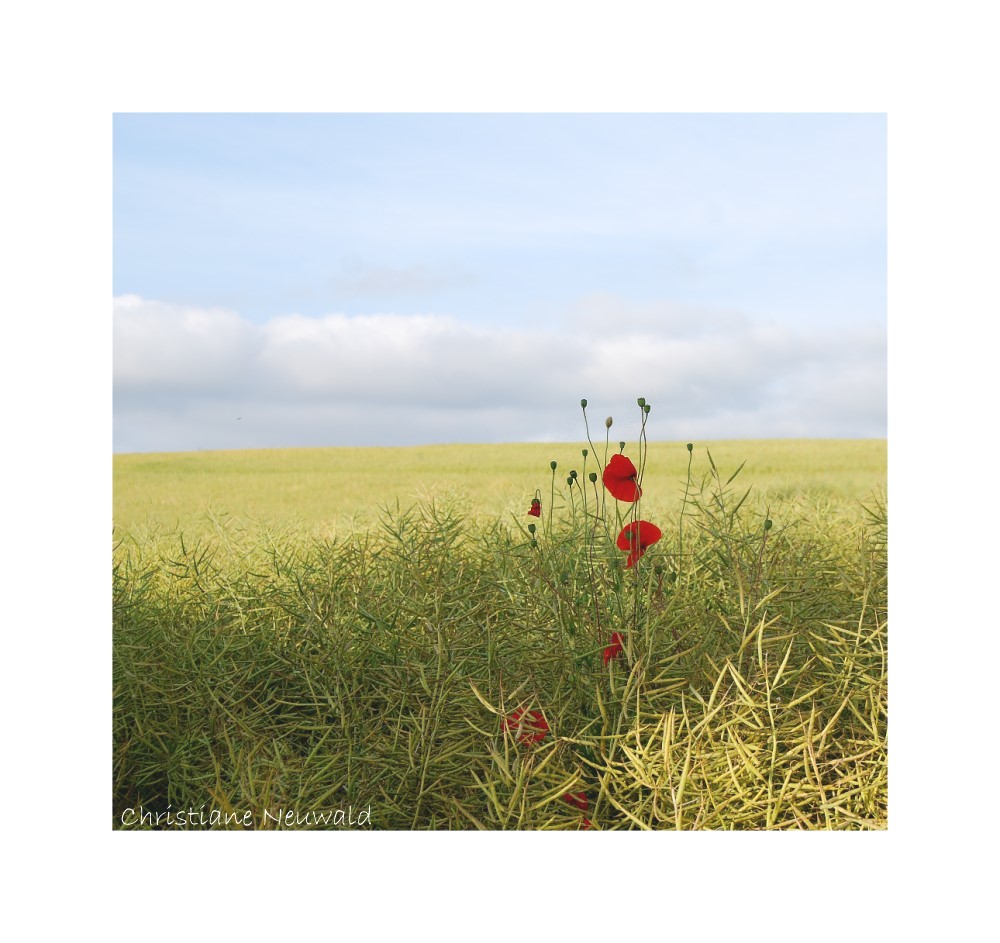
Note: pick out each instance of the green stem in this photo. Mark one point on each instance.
(552, 500)
(687, 487)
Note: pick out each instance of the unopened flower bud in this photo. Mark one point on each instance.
(607, 422)
(646, 408)
(572, 474)
(569, 481)
(690, 447)
(585, 453)
(641, 400)
(583, 404)
(621, 446)
(593, 477)
(531, 528)
(552, 465)
(767, 524)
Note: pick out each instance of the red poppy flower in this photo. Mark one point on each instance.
(585, 825)
(636, 538)
(536, 508)
(614, 649)
(530, 726)
(578, 800)
(619, 479)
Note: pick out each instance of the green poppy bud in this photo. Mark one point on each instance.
(552, 465)
(569, 481)
(583, 404)
(641, 400)
(585, 453)
(531, 528)
(767, 525)
(572, 474)
(646, 408)
(690, 447)
(534, 543)
(621, 446)
(608, 422)
(593, 477)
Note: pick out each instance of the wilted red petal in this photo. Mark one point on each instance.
(619, 479)
(533, 726)
(577, 799)
(535, 510)
(614, 649)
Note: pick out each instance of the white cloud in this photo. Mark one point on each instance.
(191, 378)
(179, 349)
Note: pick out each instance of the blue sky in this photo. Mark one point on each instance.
(398, 279)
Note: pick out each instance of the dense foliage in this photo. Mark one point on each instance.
(394, 670)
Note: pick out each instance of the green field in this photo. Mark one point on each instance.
(324, 631)
(331, 491)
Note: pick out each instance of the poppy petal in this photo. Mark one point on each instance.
(615, 648)
(530, 726)
(635, 537)
(620, 479)
(578, 800)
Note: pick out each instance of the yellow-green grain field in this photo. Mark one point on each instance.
(334, 490)
(386, 639)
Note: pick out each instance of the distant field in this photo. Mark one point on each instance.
(326, 491)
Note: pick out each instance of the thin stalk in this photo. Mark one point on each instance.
(552, 498)
(586, 426)
(687, 487)
(589, 539)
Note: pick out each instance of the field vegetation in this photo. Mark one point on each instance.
(381, 630)
(327, 492)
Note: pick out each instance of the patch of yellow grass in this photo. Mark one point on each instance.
(326, 491)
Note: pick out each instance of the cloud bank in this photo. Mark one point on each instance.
(188, 378)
